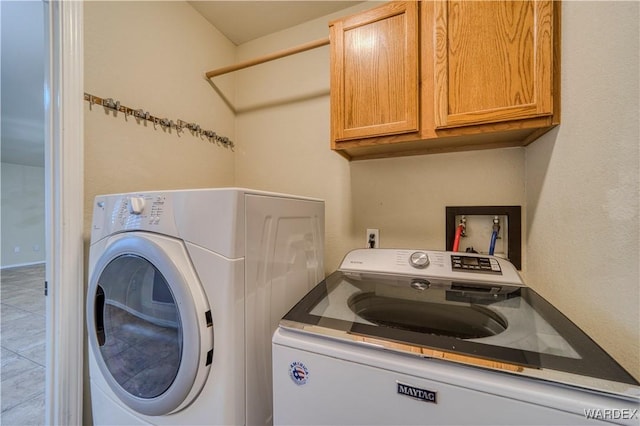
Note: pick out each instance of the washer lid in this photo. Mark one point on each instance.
(492, 325)
(149, 324)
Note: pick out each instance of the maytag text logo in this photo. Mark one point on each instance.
(417, 393)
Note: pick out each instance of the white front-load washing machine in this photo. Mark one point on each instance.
(185, 290)
(400, 337)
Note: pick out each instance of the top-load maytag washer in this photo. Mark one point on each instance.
(421, 337)
(185, 291)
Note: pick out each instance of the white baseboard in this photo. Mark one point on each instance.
(17, 265)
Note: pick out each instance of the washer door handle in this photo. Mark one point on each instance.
(99, 315)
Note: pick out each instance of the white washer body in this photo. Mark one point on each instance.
(351, 385)
(208, 272)
(333, 366)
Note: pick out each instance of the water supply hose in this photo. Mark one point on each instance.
(456, 241)
(494, 236)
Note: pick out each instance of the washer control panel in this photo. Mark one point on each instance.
(134, 211)
(475, 264)
(427, 264)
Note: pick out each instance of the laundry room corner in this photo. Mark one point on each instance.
(282, 128)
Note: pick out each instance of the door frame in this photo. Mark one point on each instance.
(64, 190)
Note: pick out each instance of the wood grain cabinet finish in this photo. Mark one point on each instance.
(374, 72)
(488, 77)
(493, 61)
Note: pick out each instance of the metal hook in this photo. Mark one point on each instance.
(109, 103)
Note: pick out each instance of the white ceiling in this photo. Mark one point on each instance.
(22, 50)
(243, 21)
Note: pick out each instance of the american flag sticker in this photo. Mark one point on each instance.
(298, 372)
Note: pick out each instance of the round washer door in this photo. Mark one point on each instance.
(149, 323)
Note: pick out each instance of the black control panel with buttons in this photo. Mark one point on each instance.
(475, 264)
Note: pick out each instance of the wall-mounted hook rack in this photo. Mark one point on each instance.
(165, 123)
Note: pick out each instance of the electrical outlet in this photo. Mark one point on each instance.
(373, 238)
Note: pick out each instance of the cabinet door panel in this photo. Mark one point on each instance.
(374, 88)
(493, 61)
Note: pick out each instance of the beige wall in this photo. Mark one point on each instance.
(22, 212)
(406, 197)
(283, 130)
(153, 55)
(283, 133)
(582, 181)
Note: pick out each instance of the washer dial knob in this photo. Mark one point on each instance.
(419, 259)
(136, 205)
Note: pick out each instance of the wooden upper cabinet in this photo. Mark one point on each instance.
(374, 72)
(493, 61)
(430, 76)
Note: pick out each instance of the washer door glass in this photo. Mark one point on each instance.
(150, 326)
(140, 333)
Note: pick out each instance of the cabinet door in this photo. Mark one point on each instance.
(374, 72)
(494, 61)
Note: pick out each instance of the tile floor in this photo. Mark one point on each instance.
(22, 338)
